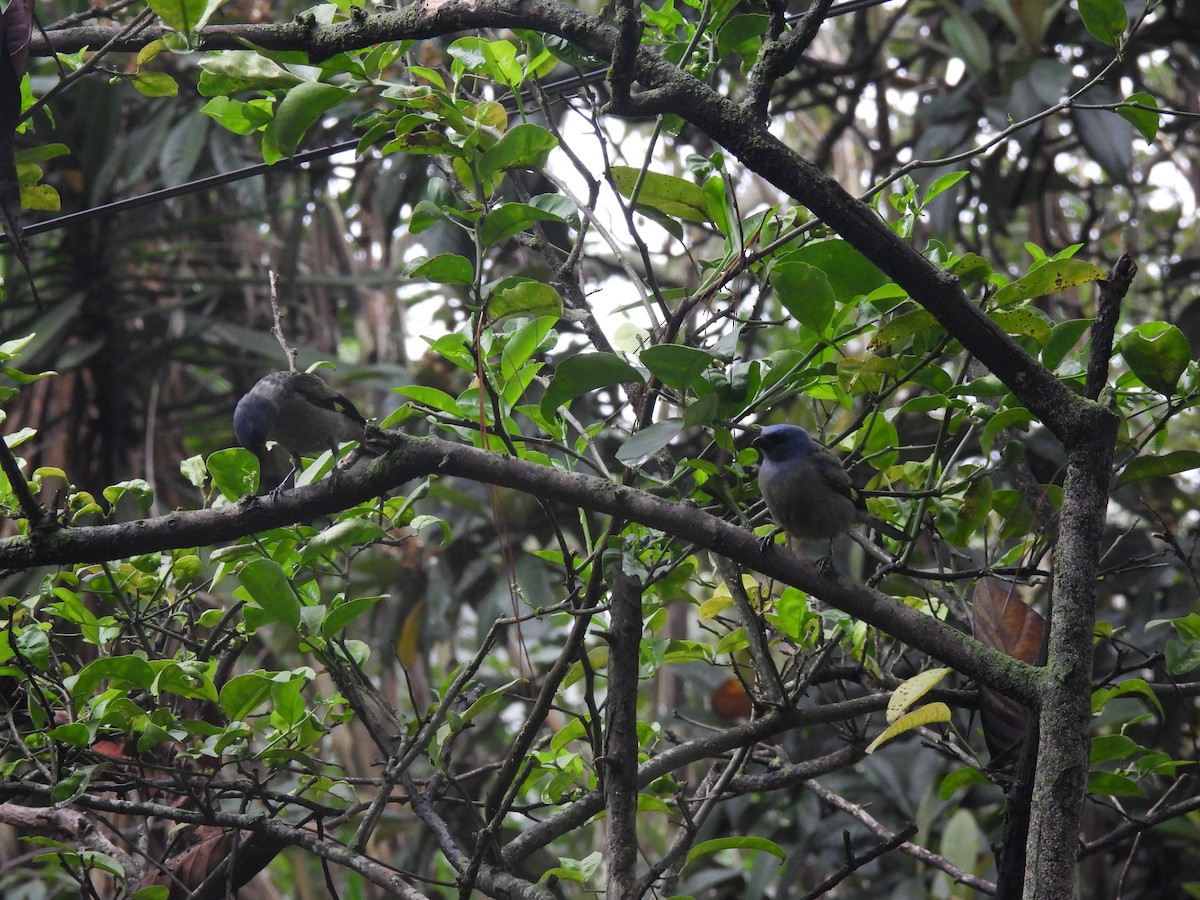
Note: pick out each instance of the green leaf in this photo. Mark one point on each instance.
(970, 268)
(805, 292)
(355, 532)
(523, 297)
(577, 870)
(40, 197)
(155, 84)
(74, 733)
(959, 778)
(1144, 120)
(648, 441)
(944, 183)
(234, 471)
(445, 268)
(583, 373)
(1109, 747)
(677, 366)
(1054, 276)
(1150, 466)
(300, 110)
(432, 397)
(1105, 20)
(850, 273)
(70, 788)
(1182, 656)
(1063, 338)
(1111, 785)
(287, 703)
(526, 146)
(232, 71)
(187, 680)
(671, 196)
(1126, 687)
(240, 117)
(137, 488)
(1158, 354)
(521, 344)
(243, 694)
(512, 218)
(899, 329)
(123, 672)
(424, 216)
(743, 35)
(267, 585)
(155, 892)
(1012, 417)
(716, 845)
(1025, 320)
(345, 613)
(185, 15)
(39, 154)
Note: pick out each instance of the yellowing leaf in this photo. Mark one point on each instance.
(913, 690)
(669, 195)
(714, 606)
(926, 715)
(408, 646)
(1054, 276)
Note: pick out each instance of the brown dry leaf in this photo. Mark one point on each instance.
(205, 848)
(1001, 619)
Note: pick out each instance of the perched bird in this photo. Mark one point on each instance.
(807, 491)
(298, 411)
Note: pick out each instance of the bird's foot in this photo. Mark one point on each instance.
(767, 541)
(825, 566)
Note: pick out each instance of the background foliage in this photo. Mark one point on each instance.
(413, 693)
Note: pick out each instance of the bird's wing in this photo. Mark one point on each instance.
(318, 393)
(833, 474)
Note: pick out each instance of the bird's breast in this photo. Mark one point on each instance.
(803, 503)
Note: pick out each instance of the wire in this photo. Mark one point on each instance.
(559, 88)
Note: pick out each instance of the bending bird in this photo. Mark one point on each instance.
(299, 412)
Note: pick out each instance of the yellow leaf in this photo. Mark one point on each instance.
(926, 715)
(913, 690)
(714, 606)
(410, 635)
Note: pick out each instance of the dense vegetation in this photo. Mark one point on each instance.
(572, 259)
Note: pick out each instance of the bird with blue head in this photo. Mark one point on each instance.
(807, 490)
(299, 412)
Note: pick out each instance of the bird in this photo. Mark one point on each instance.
(807, 490)
(299, 412)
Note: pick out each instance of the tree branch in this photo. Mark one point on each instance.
(1070, 417)
(620, 738)
(413, 457)
(68, 826)
(780, 56)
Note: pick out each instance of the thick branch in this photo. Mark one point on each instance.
(66, 825)
(620, 738)
(1060, 782)
(413, 457)
(580, 811)
(1071, 418)
(1108, 311)
(780, 56)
